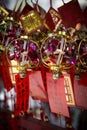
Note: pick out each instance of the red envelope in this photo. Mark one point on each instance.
(56, 95)
(70, 13)
(80, 91)
(37, 90)
(22, 94)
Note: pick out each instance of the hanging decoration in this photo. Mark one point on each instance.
(34, 54)
(52, 19)
(31, 21)
(71, 53)
(56, 95)
(22, 95)
(26, 52)
(80, 89)
(69, 89)
(70, 13)
(46, 49)
(52, 51)
(37, 90)
(5, 72)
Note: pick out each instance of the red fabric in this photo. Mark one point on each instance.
(22, 94)
(5, 73)
(56, 95)
(37, 90)
(26, 9)
(80, 91)
(71, 13)
(51, 19)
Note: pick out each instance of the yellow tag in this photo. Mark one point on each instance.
(31, 22)
(68, 90)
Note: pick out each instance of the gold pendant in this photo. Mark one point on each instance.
(31, 22)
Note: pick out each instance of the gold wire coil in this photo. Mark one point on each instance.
(30, 65)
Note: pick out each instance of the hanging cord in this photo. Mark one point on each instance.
(20, 4)
(50, 3)
(36, 3)
(35, 6)
(39, 9)
(63, 1)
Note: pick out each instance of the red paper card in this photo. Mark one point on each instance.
(69, 90)
(52, 19)
(37, 89)
(22, 94)
(80, 91)
(71, 13)
(56, 95)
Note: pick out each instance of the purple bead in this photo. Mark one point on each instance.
(33, 53)
(32, 45)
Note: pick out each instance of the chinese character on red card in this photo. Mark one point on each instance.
(31, 21)
(22, 94)
(37, 89)
(52, 19)
(56, 95)
(80, 91)
(69, 90)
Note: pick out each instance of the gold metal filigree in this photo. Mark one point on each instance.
(31, 22)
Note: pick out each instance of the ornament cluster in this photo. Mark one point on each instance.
(33, 41)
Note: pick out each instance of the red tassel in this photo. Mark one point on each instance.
(22, 94)
(5, 73)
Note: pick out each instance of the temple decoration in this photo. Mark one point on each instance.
(51, 48)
